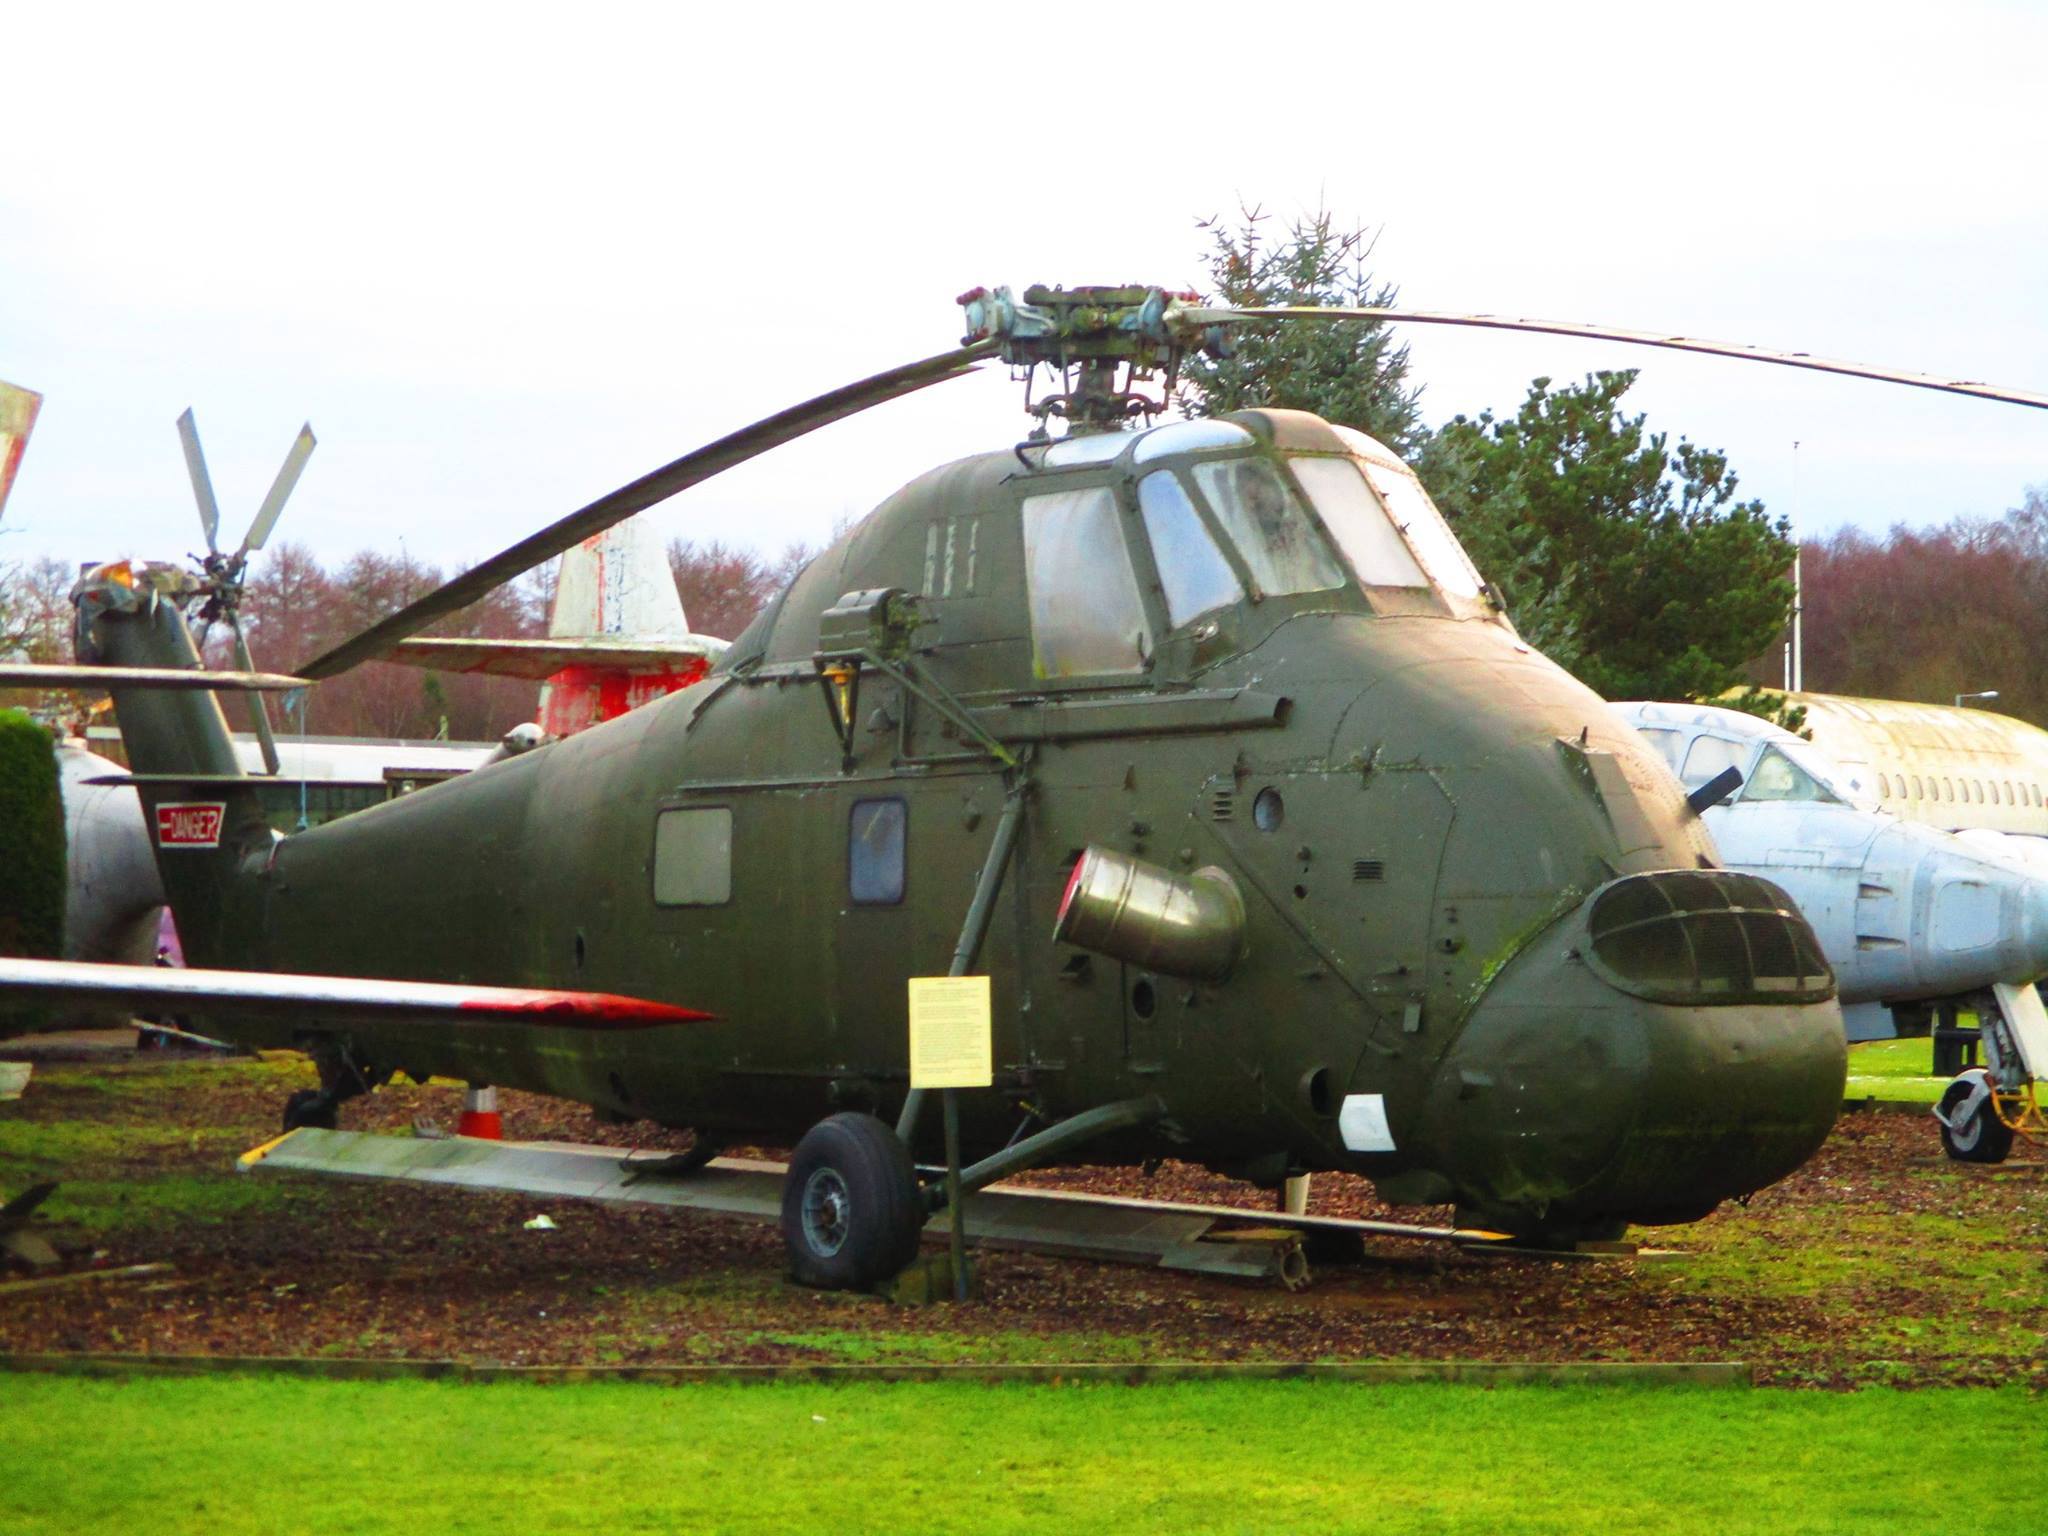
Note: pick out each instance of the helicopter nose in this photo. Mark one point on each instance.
(1572, 1102)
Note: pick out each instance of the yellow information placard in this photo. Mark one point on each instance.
(950, 1044)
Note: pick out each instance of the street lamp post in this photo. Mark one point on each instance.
(1966, 698)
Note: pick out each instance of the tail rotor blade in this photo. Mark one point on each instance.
(280, 489)
(202, 485)
(259, 714)
(658, 486)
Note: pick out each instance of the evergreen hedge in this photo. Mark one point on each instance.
(32, 862)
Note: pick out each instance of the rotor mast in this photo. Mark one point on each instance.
(1103, 343)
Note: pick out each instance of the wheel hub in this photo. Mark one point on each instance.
(826, 1210)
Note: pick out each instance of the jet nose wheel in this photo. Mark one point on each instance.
(1977, 1136)
(851, 1213)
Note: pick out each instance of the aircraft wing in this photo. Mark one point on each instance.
(542, 659)
(266, 994)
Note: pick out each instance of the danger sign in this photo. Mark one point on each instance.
(190, 825)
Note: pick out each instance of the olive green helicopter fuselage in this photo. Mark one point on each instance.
(1484, 956)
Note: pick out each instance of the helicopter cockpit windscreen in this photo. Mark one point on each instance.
(1273, 535)
(1355, 519)
(1192, 570)
(1408, 504)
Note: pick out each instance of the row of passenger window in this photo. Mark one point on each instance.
(693, 854)
(1902, 786)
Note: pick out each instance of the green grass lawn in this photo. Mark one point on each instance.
(1898, 1070)
(228, 1455)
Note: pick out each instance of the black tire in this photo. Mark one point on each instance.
(311, 1109)
(1983, 1138)
(851, 1213)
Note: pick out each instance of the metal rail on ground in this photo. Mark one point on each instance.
(1208, 1239)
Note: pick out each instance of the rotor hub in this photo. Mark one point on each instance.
(1102, 342)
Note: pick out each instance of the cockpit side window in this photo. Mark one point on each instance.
(1280, 548)
(1710, 755)
(1667, 742)
(1777, 777)
(1361, 527)
(1192, 569)
(1087, 617)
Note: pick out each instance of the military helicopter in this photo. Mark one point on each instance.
(1203, 741)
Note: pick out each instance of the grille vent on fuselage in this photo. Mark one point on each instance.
(1368, 869)
(1223, 805)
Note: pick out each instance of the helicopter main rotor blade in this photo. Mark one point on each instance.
(202, 485)
(88, 679)
(1200, 316)
(280, 488)
(657, 486)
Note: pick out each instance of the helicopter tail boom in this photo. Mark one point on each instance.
(204, 816)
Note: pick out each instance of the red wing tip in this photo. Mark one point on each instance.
(592, 1007)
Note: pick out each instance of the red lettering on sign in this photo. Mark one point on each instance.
(190, 825)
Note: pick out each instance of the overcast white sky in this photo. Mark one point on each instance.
(508, 259)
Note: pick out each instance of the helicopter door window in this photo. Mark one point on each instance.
(1271, 530)
(1192, 569)
(693, 857)
(1087, 617)
(875, 837)
(1710, 755)
(1379, 554)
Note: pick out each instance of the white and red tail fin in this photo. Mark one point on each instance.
(18, 409)
(617, 583)
(617, 635)
(617, 587)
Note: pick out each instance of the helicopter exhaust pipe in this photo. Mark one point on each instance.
(1130, 910)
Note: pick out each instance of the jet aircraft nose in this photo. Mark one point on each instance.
(1671, 1044)
(1965, 914)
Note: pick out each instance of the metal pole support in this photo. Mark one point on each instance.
(1072, 1131)
(975, 928)
(956, 1233)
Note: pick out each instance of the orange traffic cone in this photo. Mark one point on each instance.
(480, 1114)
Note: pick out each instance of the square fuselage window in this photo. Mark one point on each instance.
(875, 838)
(693, 857)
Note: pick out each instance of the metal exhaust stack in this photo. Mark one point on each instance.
(1179, 925)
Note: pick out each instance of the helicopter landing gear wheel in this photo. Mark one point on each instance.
(311, 1108)
(1978, 1137)
(851, 1213)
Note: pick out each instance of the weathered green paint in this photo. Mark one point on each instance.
(1412, 729)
